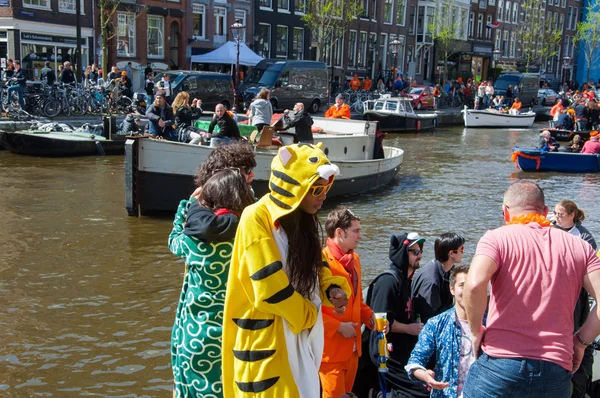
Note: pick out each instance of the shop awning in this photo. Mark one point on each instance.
(226, 54)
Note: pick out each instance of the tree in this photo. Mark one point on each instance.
(539, 36)
(445, 30)
(587, 38)
(108, 9)
(328, 20)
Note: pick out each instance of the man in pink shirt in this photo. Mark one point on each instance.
(536, 275)
(592, 146)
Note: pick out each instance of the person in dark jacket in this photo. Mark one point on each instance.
(47, 75)
(302, 122)
(67, 75)
(19, 83)
(430, 287)
(390, 293)
(130, 125)
(228, 129)
(565, 122)
(126, 85)
(547, 142)
(160, 118)
(92, 77)
(185, 116)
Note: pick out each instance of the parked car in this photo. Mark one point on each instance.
(421, 96)
(547, 96)
(528, 83)
(211, 87)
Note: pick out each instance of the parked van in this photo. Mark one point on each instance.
(211, 87)
(528, 83)
(289, 81)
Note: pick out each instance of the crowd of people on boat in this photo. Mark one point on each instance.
(268, 310)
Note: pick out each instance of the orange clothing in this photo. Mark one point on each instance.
(516, 105)
(355, 84)
(337, 378)
(556, 108)
(337, 347)
(367, 84)
(334, 113)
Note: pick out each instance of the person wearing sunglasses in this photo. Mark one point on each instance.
(273, 334)
(390, 293)
(446, 339)
(430, 289)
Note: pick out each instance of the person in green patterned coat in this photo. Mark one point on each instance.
(203, 234)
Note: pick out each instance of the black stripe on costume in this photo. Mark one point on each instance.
(253, 356)
(305, 144)
(267, 271)
(257, 386)
(279, 203)
(253, 324)
(325, 264)
(280, 190)
(281, 295)
(284, 177)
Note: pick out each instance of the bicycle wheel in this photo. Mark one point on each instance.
(124, 105)
(66, 108)
(50, 108)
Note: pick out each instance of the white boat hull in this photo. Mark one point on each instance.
(477, 118)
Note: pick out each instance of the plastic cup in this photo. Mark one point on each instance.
(380, 321)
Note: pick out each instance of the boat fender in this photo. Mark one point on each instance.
(99, 148)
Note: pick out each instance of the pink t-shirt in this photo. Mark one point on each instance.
(534, 291)
(592, 147)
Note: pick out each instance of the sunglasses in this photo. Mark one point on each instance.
(318, 190)
(416, 252)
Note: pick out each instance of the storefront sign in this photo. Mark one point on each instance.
(482, 49)
(4, 3)
(50, 38)
(30, 14)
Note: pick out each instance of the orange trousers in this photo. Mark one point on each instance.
(337, 378)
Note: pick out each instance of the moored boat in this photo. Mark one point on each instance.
(567, 135)
(494, 118)
(531, 159)
(396, 115)
(159, 173)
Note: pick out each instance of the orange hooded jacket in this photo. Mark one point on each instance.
(334, 113)
(337, 347)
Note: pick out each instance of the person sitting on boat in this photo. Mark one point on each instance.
(185, 116)
(498, 102)
(592, 146)
(228, 129)
(130, 125)
(515, 109)
(160, 118)
(577, 144)
(355, 83)
(339, 110)
(547, 142)
(302, 122)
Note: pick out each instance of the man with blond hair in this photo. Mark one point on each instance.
(536, 275)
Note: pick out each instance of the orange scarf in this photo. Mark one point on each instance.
(346, 259)
(528, 218)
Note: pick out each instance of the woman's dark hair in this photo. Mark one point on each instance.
(445, 243)
(571, 207)
(304, 260)
(226, 189)
(239, 154)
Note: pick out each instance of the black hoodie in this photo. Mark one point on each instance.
(391, 294)
(205, 225)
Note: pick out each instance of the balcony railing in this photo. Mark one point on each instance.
(219, 40)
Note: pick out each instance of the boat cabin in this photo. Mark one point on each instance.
(397, 105)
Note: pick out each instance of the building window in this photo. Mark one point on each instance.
(388, 9)
(563, 3)
(492, 2)
(488, 30)
(198, 20)
(156, 36)
(298, 44)
(500, 10)
(240, 15)
(281, 43)
(400, 12)
(512, 44)
(479, 26)
(264, 41)
(362, 49)
(37, 3)
(126, 34)
(569, 13)
(352, 48)
(283, 5)
(505, 44)
(266, 4)
(562, 22)
(515, 17)
(498, 37)
(69, 6)
(575, 18)
(365, 9)
(471, 24)
(300, 6)
(374, 11)
(338, 50)
(220, 21)
(412, 20)
(507, 13)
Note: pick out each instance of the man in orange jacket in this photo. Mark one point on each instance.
(342, 331)
(339, 110)
(355, 83)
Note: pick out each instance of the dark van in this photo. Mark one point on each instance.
(289, 81)
(211, 87)
(528, 83)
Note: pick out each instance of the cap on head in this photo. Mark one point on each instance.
(339, 96)
(594, 133)
(412, 238)
(123, 73)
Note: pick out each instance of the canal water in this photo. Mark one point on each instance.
(88, 294)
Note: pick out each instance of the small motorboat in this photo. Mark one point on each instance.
(567, 135)
(396, 115)
(531, 159)
(494, 118)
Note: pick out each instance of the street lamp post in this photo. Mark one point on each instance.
(496, 54)
(394, 47)
(566, 61)
(236, 28)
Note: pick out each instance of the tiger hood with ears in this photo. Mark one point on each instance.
(262, 309)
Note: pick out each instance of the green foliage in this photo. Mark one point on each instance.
(539, 40)
(444, 31)
(587, 38)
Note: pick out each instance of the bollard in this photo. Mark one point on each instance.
(109, 127)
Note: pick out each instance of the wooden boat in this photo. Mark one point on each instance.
(494, 118)
(567, 135)
(396, 115)
(60, 143)
(531, 159)
(152, 165)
